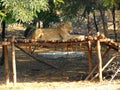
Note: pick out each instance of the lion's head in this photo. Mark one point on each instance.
(65, 26)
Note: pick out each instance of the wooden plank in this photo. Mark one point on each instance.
(14, 62)
(6, 65)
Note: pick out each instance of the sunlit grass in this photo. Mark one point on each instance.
(80, 85)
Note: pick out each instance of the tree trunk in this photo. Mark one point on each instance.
(88, 24)
(95, 21)
(3, 37)
(114, 25)
(102, 13)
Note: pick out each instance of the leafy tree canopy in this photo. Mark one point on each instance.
(24, 10)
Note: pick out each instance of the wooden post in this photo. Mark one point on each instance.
(99, 59)
(89, 56)
(6, 64)
(14, 62)
(109, 61)
(105, 53)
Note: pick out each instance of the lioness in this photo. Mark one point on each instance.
(59, 33)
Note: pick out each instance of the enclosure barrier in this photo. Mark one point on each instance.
(88, 41)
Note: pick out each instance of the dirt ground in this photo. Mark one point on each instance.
(32, 75)
(70, 75)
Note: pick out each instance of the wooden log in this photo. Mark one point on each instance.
(99, 60)
(89, 56)
(6, 64)
(41, 61)
(13, 62)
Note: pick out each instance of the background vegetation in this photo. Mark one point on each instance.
(92, 14)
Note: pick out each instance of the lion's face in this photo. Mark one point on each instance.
(66, 26)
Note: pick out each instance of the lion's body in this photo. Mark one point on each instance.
(35, 34)
(59, 33)
(50, 34)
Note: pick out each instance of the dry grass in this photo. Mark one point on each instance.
(64, 86)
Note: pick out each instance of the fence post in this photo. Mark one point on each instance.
(99, 58)
(90, 56)
(14, 62)
(6, 64)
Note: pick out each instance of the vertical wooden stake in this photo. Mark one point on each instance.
(6, 64)
(99, 60)
(89, 56)
(14, 62)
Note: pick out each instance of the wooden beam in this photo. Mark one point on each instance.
(99, 59)
(4, 43)
(41, 61)
(14, 62)
(105, 53)
(6, 64)
(89, 56)
(90, 74)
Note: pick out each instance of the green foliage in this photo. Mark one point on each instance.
(89, 6)
(58, 3)
(25, 10)
(2, 14)
(49, 16)
(73, 8)
(9, 19)
(70, 8)
(111, 3)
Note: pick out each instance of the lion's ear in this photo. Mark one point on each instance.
(69, 23)
(62, 24)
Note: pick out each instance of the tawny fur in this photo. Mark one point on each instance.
(59, 33)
